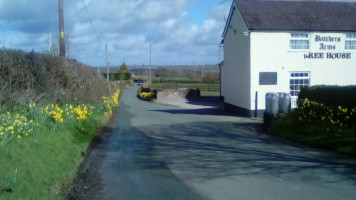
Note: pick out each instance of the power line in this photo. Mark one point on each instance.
(76, 48)
(94, 29)
(91, 22)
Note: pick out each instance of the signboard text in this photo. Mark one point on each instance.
(327, 43)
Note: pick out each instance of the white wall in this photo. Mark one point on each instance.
(236, 69)
(270, 53)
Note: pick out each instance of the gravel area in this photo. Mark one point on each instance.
(177, 98)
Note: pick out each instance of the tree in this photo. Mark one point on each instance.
(123, 68)
(124, 73)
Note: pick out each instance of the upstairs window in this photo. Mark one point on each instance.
(299, 41)
(350, 42)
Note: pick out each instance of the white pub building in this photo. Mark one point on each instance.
(282, 46)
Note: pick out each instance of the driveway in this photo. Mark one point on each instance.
(194, 151)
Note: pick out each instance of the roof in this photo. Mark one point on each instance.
(298, 15)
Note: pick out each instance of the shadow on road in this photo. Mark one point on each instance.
(217, 149)
(201, 111)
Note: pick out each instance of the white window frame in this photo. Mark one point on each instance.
(350, 37)
(297, 80)
(299, 37)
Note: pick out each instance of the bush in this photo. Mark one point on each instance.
(27, 77)
(328, 117)
(330, 106)
(146, 94)
(193, 94)
(123, 76)
(331, 96)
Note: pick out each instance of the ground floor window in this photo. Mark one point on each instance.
(298, 80)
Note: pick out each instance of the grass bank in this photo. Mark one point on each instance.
(41, 147)
(40, 166)
(50, 110)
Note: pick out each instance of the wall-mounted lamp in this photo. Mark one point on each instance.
(246, 33)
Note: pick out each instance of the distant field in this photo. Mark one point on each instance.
(206, 78)
(184, 82)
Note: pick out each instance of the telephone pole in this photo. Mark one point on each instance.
(50, 44)
(150, 63)
(107, 62)
(62, 45)
(150, 54)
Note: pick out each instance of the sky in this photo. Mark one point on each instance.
(180, 32)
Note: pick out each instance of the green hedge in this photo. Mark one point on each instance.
(30, 77)
(123, 76)
(331, 96)
(118, 76)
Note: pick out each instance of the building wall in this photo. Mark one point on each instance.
(236, 69)
(270, 53)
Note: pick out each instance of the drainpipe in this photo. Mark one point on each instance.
(256, 103)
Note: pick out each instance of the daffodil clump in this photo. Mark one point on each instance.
(111, 102)
(145, 95)
(60, 114)
(15, 126)
(81, 112)
(52, 115)
(311, 111)
(54, 112)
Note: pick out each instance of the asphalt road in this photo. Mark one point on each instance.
(157, 151)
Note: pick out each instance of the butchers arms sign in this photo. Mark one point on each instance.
(329, 44)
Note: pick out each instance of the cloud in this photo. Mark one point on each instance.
(128, 27)
(221, 11)
(161, 9)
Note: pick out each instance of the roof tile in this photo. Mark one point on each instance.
(298, 15)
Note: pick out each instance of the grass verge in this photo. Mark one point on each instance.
(41, 166)
(41, 162)
(339, 139)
